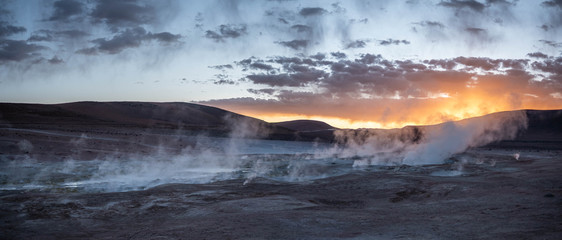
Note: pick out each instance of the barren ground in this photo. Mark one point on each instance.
(492, 196)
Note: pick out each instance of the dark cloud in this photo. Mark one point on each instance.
(537, 55)
(433, 30)
(551, 43)
(224, 82)
(434, 24)
(476, 31)
(393, 41)
(245, 62)
(298, 68)
(369, 58)
(313, 31)
(55, 60)
(12, 50)
(552, 15)
(232, 31)
(554, 3)
(288, 60)
(372, 74)
(214, 35)
(64, 9)
(41, 36)
(339, 55)
(199, 21)
(460, 4)
(345, 88)
(261, 66)
(552, 66)
(348, 67)
(338, 8)
(302, 28)
(295, 44)
(410, 66)
(501, 2)
(165, 37)
(318, 56)
(223, 79)
(306, 75)
(129, 38)
(478, 35)
(222, 67)
(266, 91)
(88, 51)
(226, 31)
(441, 63)
(8, 30)
(15, 50)
(545, 27)
(72, 34)
(356, 44)
(474, 62)
(312, 11)
(48, 35)
(297, 77)
(514, 64)
(293, 61)
(275, 80)
(123, 13)
(306, 26)
(295, 97)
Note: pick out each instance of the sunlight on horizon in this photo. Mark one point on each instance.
(344, 123)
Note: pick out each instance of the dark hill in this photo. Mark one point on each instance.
(305, 125)
(544, 131)
(544, 126)
(81, 116)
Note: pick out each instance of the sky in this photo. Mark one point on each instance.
(352, 64)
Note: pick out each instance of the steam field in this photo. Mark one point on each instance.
(482, 193)
(493, 177)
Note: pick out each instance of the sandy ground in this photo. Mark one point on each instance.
(495, 197)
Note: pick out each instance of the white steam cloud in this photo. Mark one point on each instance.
(427, 145)
(241, 156)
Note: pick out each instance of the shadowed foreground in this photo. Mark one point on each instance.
(496, 197)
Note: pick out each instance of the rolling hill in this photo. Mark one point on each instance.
(544, 126)
(305, 125)
(139, 115)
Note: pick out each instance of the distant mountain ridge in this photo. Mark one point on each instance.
(543, 125)
(173, 115)
(130, 113)
(305, 125)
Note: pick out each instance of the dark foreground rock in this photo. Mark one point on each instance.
(497, 197)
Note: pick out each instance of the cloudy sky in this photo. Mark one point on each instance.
(350, 63)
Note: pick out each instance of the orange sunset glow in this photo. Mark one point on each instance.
(465, 98)
(448, 110)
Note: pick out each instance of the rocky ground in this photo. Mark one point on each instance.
(493, 195)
